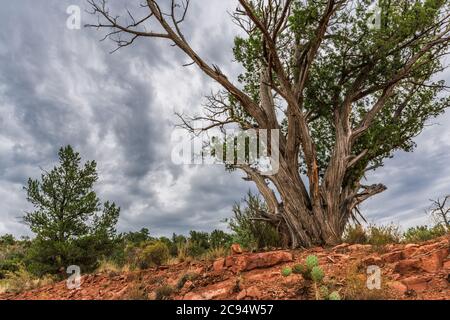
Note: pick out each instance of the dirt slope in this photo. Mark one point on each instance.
(413, 271)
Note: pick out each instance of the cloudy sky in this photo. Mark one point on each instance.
(61, 86)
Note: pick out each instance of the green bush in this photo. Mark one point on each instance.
(373, 234)
(355, 234)
(423, 233)
(153, 254)
(382, 235)
(249, 232)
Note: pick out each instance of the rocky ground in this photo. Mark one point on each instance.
(412, 271)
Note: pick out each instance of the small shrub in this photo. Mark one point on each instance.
(317, 274)
(215, 253)
(324, 292)
(136, 292)
(355, 234)
(334, 296)
(311, 262)
(22, 280)
(382, 235)
(164, 292)
(153, 254)
(184, 278)
(423, 233)
(286, 272)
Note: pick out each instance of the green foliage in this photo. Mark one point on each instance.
(382, 235)
(70, 224)
(153, 254)
(423, 233)
(286, 272)
(299, 269)
(317, 274)
(334, 296)
(250, 232)
(324, 292)
(354, 234)
(373, 234)
(311, 262)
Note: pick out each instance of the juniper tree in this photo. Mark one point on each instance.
(70, 223)
(345, 92)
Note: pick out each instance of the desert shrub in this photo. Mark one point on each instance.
(153, 254)
(21, 280)
(250, 232)
(220, 239)
(214, 253)
(286, 272)
(136, 292)
(355, 287)
(373, 234)
(184, 278)
(164, 292)
(423, 233)
(355, 234)
(382, 235)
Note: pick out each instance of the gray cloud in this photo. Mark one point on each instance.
(59, 86)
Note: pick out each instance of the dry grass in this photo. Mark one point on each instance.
(22, 280)
(215, 253)
(355, 287)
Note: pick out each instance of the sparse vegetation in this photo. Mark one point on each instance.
(423, 233)
(286, 272)
(164, 292)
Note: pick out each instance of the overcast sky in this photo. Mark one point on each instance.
(61, 86)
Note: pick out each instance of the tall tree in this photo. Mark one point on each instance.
(346, 93)
(69, 220)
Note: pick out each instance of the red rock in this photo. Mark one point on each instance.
(251, 292)
(416, 283)
(193, 296)
(398, 287)
(372, 261)
(340, 246)
(248, 262)
(392, 257)
(236, 249)
(359, 247)
(446, 265)
(434, 261)
(219, 265)
(409, 250)
(405, 266)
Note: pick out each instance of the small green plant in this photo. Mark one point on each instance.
(286, 272)
(355, 234)
(334, 296)
(324, 292)
(164, 292)
(153, 254)
(317, 274)
(299, 269)
(311, 262)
